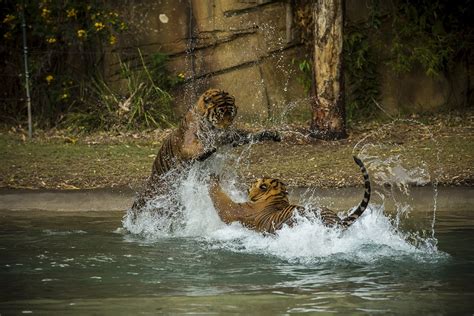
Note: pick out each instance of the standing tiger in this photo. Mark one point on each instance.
(204, 128)
(269, 208)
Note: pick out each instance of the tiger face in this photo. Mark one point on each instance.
(267, 189)
(218, 107)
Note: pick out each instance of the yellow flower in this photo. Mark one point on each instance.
(112, 40)
(71, 13)
(45, 13)
(99, 26)
(49, 79)
(51, 40)
(181, 75)
(64, 96)
(123, 26)
(81, 33)
(8, 18)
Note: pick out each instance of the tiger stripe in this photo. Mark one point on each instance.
(214, 109)
(204, 128)
(270, 209)
(349, 220)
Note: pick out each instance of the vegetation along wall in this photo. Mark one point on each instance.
(141, 63)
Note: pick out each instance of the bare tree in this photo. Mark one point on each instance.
(328, 119)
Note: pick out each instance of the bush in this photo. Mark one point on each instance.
(65, 41)
(143, 104)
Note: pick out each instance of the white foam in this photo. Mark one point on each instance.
(371, 237)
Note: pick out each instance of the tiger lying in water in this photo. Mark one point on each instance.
(204, 128)
(269, 208)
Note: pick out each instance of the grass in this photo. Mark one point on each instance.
(106, 160)
(69, 166)
(330, 165)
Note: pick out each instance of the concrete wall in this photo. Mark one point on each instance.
(239, 46)
(246, 47)
(413, 92)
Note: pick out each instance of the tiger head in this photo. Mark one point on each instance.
(218, 107)
(268, 189)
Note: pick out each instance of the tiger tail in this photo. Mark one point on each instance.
(349, 220)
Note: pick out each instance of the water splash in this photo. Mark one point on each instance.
(188, 203)
(370, 239)
(396, 171)
(373, 237)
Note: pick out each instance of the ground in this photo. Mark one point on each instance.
(57, 160)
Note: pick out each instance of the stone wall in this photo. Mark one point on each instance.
(413, 92)
(246, 48)
(243, 47)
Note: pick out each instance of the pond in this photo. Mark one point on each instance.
(78, 262)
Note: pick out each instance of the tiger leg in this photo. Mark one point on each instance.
(228, 210)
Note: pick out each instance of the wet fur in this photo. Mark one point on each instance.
(269, 209)
(204, 128)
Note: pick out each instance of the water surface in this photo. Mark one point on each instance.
(85, 262)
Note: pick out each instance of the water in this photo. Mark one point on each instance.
(411, 251)
(84, 262)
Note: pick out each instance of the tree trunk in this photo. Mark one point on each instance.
(328, 119)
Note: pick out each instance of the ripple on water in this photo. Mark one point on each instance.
(50, 232)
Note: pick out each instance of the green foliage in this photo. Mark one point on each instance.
(424, 34)
(65, 42)
(306, 73)
(360, 66)
(144, 103)
(431, 34)
(360, 63)
(161, 77)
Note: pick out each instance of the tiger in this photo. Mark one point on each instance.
(204, 128)
(269, 209)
